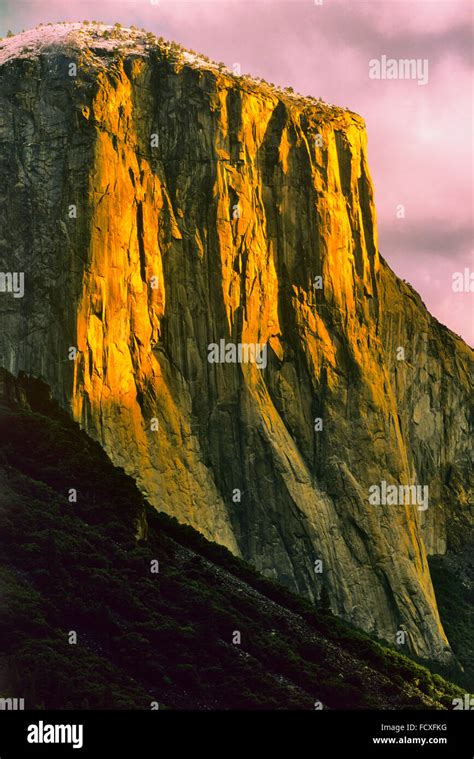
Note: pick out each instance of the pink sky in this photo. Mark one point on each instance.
(420, 136)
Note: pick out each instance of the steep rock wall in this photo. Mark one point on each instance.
(206, 206)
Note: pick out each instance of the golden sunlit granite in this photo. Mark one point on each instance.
(159, 205)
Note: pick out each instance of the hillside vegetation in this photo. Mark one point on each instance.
(168, 637)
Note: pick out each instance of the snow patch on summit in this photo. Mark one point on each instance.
(77, 35)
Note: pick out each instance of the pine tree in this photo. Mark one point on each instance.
(324, 603)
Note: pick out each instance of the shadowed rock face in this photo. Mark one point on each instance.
(158, 205)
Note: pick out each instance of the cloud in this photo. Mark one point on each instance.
(419, 137)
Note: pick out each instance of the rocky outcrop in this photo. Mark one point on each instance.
(157, 205)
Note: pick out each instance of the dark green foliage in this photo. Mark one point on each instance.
(164, 637)
(456, 603)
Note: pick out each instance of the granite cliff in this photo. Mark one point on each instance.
(157, 204)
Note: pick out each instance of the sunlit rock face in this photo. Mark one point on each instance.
(156, 206)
